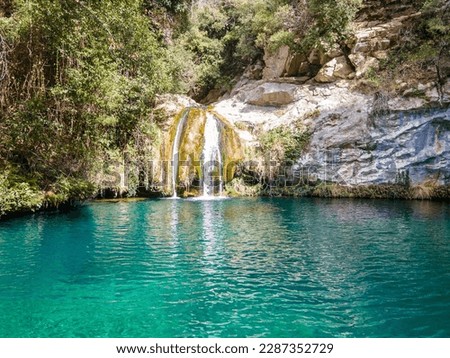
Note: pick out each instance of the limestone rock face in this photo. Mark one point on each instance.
(272, 94)
(362, 150)
(355, 138)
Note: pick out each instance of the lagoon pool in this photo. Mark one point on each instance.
(229, 268)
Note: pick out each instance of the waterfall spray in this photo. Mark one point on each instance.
(211, 157)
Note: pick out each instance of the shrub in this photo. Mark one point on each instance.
(18, 196)
(283, 143)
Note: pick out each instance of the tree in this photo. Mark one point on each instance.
(78, 78)
(331, 20)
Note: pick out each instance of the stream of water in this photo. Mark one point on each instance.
(212, 158)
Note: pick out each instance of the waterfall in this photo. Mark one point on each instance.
(176, 152)
(211, 157)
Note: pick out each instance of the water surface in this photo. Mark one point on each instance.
(229, 268)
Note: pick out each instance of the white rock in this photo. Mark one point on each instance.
(325, 74)
(342, 68)
(368, 64)
(272, 94)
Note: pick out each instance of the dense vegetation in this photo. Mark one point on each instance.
(78, 78)
(77, 83)
(223, 37)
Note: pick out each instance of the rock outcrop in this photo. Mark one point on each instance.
(275, 64)
(349, 149)
(371, 43)
(337, 68)
(356, 138)
(271, 94)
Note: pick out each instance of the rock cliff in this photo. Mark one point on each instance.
(357, 136)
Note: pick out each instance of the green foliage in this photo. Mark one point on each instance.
(224, 37)
(331, 20)
(259, 24)
(174, 6)
(284, 144)
(201, 58)
(68, 189)
(78, 79)
(372, 76)
(22, 193)
(18, 196)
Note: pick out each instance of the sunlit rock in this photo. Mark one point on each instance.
(272, 94)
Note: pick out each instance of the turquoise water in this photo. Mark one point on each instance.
(229, 268)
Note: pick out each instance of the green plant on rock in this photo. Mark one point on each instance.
(331, 21)
(283, 143)
(238, 187)
(17, 195)
(421, 55)
(372, 76)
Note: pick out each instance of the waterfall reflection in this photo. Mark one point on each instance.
(174, 222)
(212, 226)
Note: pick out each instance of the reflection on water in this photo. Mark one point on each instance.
(229, 268)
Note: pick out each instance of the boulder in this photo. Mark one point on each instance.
(342, 68)
(333, 52)
(334, 69)
(272, 94)
(362, 47)
(325, 74)
(365, 65)
(275, 64)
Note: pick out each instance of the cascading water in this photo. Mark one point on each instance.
(211, 157)
(176, 152)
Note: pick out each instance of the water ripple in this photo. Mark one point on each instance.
(229, 268)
